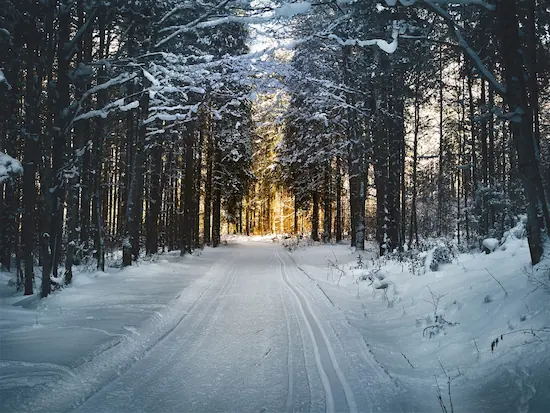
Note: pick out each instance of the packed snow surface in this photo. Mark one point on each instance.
(252, 327)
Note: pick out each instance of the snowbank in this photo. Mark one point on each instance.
(482, 321)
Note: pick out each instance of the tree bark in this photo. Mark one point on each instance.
(315, 217)
(521, 126)
(30, 162)
(216, 197)
(153, 211)
(338, 221)
(188, 227)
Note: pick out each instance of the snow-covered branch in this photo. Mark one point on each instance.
(103, 112)
(9, 167)
(117, 105)
(3, 79)
(192, 24)
(388, 47)
(480, 3)
(462, 43)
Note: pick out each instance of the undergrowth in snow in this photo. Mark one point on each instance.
(477, 323)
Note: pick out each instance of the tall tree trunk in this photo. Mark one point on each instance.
(30, 161)
(413, 225)
(522, 126)
(188, 227)
(216, 197)
(396, 133)
(483, 136)
(356, 161)
(153, 211)
(130, 247)
(60, 138)
(208, 190)
(8, 218)
(327, 206)
(102, 97)
(198, 181)
(315, 217)
(86, 157)
(338, 221)
(296, 229)
(440, 187)
(491, 156)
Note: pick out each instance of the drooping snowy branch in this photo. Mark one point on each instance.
(117, 105)
(462, 43)
(388, 47)
(105, 111)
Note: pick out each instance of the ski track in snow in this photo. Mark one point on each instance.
(333, 379)
(97, 372)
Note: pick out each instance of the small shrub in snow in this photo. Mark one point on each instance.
(533, 336)
(360, 263)
(540, 277)
(489, 245)
(441, 254)
(439, 323)
(434, 300)
(439, 326)
(290, 244)
(335, 270)
(488, 299)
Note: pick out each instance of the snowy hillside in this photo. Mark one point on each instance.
(481, 321)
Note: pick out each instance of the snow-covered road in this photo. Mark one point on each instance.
(254, 334)
(254, 341)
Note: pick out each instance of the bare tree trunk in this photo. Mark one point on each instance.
(413, 225)
(315, 217)
(396, 133)
(327, 206)
(338, 221)
(60, 139)
(216, 197)
(296, 229)
(153, 211)
(130, 247)
(440, 188)
(188, 227)
(522, 126)
(198, 181)
(208, 190)
(30, 161)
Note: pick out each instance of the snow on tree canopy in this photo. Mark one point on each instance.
(9, 167)
(292, 9)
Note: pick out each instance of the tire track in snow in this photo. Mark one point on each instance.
(332, 377)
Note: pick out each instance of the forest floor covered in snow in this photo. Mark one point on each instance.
(415, 329)
(68, 338)
(480, 323)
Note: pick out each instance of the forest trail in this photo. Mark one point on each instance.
(257, 339)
